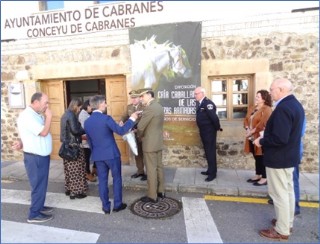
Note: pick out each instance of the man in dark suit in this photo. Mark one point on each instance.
(281, 145)
(150, 130)
(105, 153)
(208, 123)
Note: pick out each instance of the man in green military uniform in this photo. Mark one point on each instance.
(150, 130)
(134, 106)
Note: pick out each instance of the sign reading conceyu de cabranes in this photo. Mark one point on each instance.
(92, 19)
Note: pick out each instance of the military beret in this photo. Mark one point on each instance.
(134, 93)
(143, 91)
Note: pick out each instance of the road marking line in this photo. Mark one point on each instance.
(58, 200)
(7, 181)
(309, 204)
(200, 226)
(254, 200)
(30, 233)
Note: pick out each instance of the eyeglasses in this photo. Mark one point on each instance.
(197, 93)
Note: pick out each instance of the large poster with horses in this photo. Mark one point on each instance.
(167, 59)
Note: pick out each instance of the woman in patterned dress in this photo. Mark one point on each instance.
(76, 184)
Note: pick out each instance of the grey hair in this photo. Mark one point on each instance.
(96, 100)
(201, 89)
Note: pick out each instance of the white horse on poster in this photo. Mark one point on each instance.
(151, 60)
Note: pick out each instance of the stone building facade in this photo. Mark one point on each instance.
(267, 47)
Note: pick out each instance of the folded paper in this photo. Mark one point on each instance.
(131, 139)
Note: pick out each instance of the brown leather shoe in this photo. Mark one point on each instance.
(274, 221)
(91, 178)
(272, 234)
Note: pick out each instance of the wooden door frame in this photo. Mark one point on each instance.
(109, 81)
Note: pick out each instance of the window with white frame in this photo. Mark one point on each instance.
(231, 95)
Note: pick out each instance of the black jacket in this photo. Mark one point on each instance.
(70, 128)
(206, 117)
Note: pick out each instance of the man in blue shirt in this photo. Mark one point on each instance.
(36, 141)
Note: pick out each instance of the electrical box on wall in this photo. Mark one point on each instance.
(16, 95)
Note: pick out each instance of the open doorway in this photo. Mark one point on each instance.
(84, 89)
(60, 93)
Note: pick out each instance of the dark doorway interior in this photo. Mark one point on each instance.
(84, 89)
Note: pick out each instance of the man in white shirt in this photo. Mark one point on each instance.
(36, 141)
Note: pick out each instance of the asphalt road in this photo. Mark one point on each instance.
(82, 221)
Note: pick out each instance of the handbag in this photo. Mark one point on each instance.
(69, 151)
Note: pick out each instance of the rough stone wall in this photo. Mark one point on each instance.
(230, 155)
(58, 60)
(9, 133)
(290, 54)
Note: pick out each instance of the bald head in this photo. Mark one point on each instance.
(280, 88)
(285, 84)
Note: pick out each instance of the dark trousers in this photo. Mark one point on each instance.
(37, 168)
(260, 168)
(103, 168)
(296, 188)
(87, 154)
(209, 141)
(139, 158)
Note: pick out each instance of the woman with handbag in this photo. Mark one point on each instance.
(254, 124)
(76, 184)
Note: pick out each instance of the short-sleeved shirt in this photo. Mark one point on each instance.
(30, 125)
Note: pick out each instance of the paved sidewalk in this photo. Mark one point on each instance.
(228, 182)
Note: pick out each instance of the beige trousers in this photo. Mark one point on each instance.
(280, 189)
(154, 167)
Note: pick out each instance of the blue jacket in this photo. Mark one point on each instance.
(282, 136)
(302, 135)
(99, 129)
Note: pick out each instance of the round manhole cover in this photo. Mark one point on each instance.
(164, 208)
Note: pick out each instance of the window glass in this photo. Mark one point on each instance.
(239, 113)
(231, 95)
(219, 86)
(240, 99)
(220, 99)
(105, 1)
(222, 113)
(240, 85)
(51, 5)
